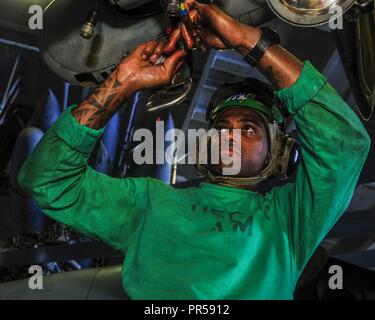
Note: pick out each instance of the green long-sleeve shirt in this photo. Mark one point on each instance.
(209, 242)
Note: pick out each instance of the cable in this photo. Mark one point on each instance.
(372, 107)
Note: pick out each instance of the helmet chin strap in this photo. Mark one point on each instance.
(248, 181)
(231, 181)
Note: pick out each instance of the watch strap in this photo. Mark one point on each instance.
(268, 38)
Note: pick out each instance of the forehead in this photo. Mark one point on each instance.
(234, 114)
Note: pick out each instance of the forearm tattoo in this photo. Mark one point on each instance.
(98, 108)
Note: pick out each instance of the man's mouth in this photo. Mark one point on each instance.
(231, 152)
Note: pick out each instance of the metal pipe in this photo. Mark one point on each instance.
(9, 85)
(19, 45)
(66, 95)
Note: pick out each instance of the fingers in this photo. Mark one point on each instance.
(189, 4)
(158, 51)
(176, 36)
(173, 40)
(169, 30)
(178, 66)
(152, 50)
(195, 17)
(174, 62)
(189, 42)
(147, 49)
(175, 33)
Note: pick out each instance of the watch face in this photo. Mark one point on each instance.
(307, 13)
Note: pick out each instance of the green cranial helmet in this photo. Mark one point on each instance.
(251, 93)
(248, 101)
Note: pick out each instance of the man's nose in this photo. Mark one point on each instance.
(232, 135)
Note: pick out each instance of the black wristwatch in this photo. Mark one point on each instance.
(269, 38)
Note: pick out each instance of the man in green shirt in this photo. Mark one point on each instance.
(216, 241)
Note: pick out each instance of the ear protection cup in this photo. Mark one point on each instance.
(295, 156)
(288, 158)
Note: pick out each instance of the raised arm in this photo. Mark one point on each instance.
(334, 142)
(57, 175)
(135, 73)
(334, 145)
